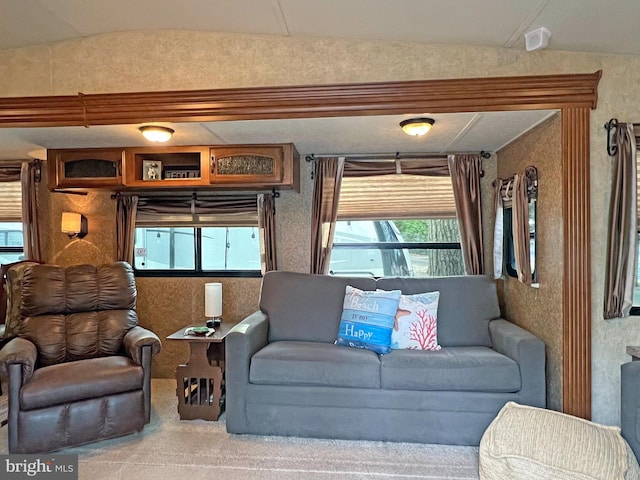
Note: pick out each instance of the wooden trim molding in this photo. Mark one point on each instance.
(573, 94)
(576, 289)
(435, 96)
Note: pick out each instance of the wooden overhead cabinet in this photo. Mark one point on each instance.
(85, 168)
(256, 166)
(166, 167)
(224, 167)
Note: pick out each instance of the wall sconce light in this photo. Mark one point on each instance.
(156, 133)
(213, 303)
(73, 224)
(417, 126)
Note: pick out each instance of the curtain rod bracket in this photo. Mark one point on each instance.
(275, 193)
(312, 159)
(611, 126)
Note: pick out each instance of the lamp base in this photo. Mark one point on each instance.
(214, 322)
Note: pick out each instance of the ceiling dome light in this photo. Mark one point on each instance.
(155, 133)
(417, 126)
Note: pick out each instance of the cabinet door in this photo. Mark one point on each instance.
(257, 166)
(86, 168)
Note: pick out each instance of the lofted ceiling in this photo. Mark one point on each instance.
(609, 26)
(578, 25)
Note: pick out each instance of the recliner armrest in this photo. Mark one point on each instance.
(138, 337)
(18, 351)
(528, 351)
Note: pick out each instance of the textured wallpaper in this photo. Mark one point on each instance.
(539, 310)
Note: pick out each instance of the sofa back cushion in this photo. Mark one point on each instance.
(49, 289)
(303, 307)
(78, 312)
(465, 307)
(78, 336)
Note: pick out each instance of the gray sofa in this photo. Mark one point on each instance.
(630, 404)
(285, 375)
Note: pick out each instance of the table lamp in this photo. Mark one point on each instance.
(213, 304)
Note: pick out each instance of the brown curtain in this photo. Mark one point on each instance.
(520, 220)
(126, 210)
(326, 193)
(267, 229)
(621, 247)
(465, 173)
(30, 223)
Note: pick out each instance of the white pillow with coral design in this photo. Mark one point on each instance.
(416, 324)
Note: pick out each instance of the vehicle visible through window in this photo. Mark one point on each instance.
(223, 251)
(406, 248)
(11, 242)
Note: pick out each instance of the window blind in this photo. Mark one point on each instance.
(229, 211)
(10, 202)
(396, 197)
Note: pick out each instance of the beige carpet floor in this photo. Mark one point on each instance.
(196, 449)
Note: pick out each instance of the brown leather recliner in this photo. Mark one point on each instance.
(80, 368)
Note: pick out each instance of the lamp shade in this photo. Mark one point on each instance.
(212, 300)
(73, 224)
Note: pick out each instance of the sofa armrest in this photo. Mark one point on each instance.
(528, 351)
(139, 337)
(19, 351)
(241, 343)
(630, 404)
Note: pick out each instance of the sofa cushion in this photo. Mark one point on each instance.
(466, 306)
(367, 319)
(454, 368)
(305, 307)
(92, 378)
(315, 363)
(525, 442)
(416, 324)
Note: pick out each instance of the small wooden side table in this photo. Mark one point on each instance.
(200, 383)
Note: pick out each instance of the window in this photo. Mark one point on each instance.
(635, 310)
(224, 250)
(195, 241)
(396, 225)
(11, 238)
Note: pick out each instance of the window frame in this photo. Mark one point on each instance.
(197, 271)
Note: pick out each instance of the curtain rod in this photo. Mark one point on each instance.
(372, 157)
(611, 126)
(189, 194)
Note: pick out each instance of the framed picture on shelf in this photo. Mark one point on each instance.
(151, 170)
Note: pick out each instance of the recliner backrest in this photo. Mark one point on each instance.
(77, 312)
